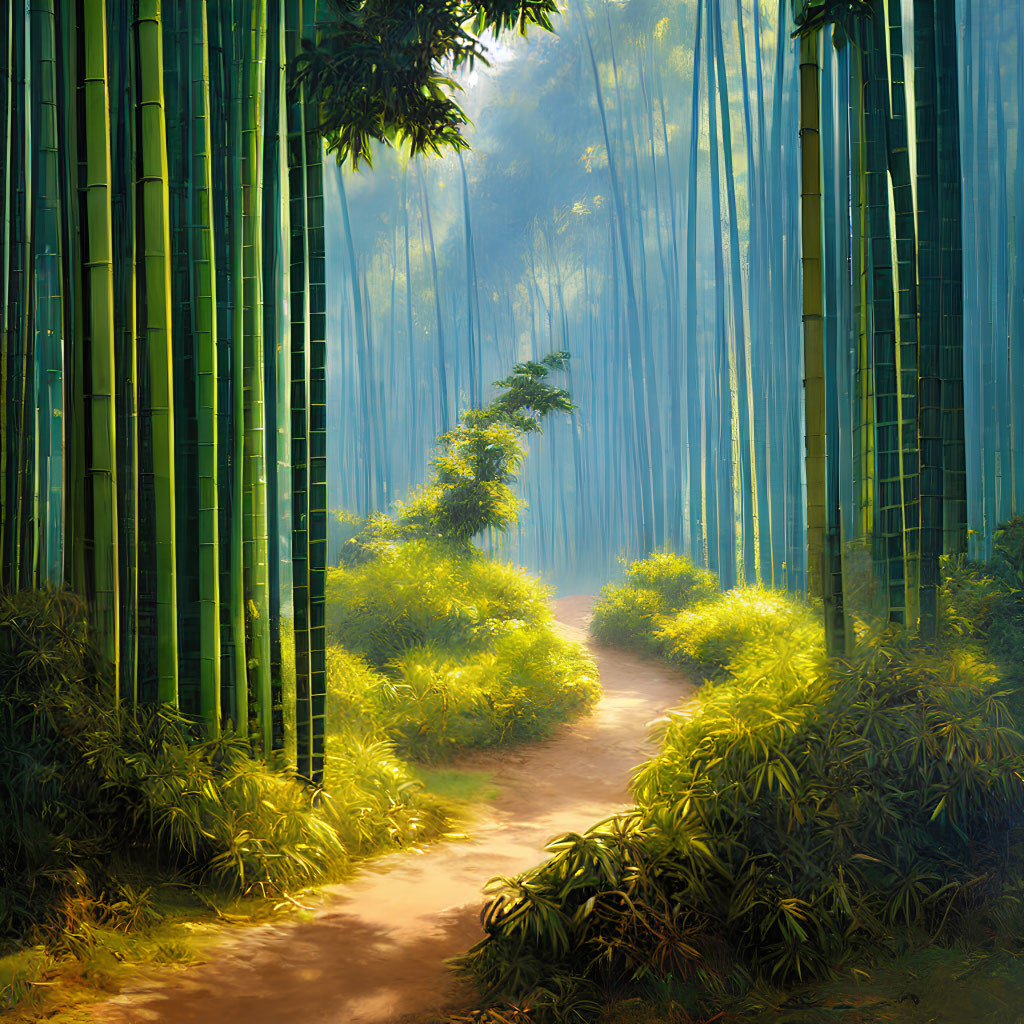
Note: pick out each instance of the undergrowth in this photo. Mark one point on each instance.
(799, 814)
(446, 650)
(631, 613)
(95, 793)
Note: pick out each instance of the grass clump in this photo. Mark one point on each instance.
(799, 814)
(631, 613)
(446, 650)
(422, 592)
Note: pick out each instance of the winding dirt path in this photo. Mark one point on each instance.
(373, 953)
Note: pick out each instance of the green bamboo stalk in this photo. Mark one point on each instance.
(154, 233)
(905, 239)
(202, 263)
(317, 314)
(71, 522)
(697, 496)
(725, 402)
(20, 552)
(813, 313)
(121, 68)
(254, 493)
(929, 258)
(739, 349)
(233, 14)
(275, 289)
(179, 101)
(298, 276)
(47, 298)
(889, 522)
(951, 340)
(863, 384)
(98, 272)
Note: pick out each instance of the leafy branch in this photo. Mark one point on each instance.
(382, 69)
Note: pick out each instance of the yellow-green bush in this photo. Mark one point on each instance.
(93, 792)
(797, 813)
(710, 635)
(423, 592)
(491, 677)
(630, 613)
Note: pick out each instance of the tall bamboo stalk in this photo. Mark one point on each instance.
(98, 270)
(204, 328)
(813, 313)
(154, 239)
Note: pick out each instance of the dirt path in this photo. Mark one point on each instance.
(373, 953)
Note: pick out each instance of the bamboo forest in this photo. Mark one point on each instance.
(512, 512)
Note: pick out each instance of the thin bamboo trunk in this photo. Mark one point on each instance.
(204, 329)
(98, 271)
(813, 313)
(154, 236)
(254, 557)
(951, 340)
(930, 269)
(47, 298)
(317, 315)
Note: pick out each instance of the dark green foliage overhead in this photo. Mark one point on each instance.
(382, 70)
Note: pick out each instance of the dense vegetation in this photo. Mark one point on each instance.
(457, 649)
(99, 796)
(432, 648)
(447, 649)
(801, 813)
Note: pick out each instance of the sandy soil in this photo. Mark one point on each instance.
(374, 951)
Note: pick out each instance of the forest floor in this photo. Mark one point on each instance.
(373, 949)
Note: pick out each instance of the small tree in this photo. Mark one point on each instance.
(470, 489)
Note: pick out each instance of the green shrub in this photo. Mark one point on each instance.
(431, 702)
(675, 579)
(425, 592)
(92, 790)
(797, 813)
(1008, 551)
(444, 649)
(710, 635)
(469, 486)
(630, 614)
(628, 617)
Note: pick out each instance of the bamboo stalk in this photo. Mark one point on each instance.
(202, 264)
(813, 318)
(154, 234)
(98, 271)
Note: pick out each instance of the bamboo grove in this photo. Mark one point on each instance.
(883, 258)
(652, 223)
(163, 348)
